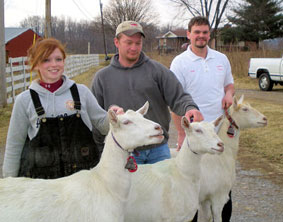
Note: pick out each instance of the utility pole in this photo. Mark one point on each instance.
(3, 87)
(47, 30)
(102, 26)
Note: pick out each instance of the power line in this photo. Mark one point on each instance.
(82, 5)
(87, 16)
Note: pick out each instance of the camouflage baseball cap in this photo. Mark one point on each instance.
(129, 28)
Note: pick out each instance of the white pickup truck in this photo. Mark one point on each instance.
(269, 71)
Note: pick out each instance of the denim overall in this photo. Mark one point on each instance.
(63, 145)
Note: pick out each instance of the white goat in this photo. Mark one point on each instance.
(218, 172)
(168, 190)
(97, 195)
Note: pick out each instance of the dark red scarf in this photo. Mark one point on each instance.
(52, 87)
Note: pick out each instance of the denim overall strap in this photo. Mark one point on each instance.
(36, 102)
(76, 96)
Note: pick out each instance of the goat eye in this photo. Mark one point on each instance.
(198, 130)
(245, 109)
(126, 122)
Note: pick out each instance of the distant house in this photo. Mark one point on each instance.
(172, 41)
(18, 41)
(273, 44)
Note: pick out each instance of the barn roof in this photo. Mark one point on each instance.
(11, 33)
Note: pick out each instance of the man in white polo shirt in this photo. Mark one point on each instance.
(206, 75)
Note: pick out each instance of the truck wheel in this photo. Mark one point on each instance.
(265, 83)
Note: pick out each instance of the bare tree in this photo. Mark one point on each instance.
(34, 22)
(213, 10)
(141, 11)
(58, 27)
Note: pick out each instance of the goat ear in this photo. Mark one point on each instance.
(113, 119)
(241, 100)
(235, 102)
(218, 120)
(185, 122)
(143, 110)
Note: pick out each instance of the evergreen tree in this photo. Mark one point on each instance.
(256, 20)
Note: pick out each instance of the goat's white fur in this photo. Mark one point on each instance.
(97, 195)
(218, 173)
(168, 190)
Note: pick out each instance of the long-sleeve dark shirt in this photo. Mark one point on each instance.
(147, 80)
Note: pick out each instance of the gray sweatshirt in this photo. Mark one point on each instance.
(147, 80)
(24, 119)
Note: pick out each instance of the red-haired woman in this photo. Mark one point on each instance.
(50, 132)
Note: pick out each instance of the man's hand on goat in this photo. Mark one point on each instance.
(194, 115)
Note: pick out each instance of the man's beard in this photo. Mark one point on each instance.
(201, 46)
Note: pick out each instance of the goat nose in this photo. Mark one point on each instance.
(157, 127)
(221, 144)
(264, 118)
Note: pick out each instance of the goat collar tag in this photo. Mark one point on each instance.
(131, 165)
(230, 119)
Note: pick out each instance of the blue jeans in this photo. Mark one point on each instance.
(153, 155)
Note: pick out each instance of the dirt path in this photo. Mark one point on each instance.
(258, 192)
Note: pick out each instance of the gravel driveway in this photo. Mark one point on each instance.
(257, 195)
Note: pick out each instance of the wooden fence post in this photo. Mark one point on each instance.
(12, 79)
(3, 95)
(25, 81)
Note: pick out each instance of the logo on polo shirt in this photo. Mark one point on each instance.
(220, 68)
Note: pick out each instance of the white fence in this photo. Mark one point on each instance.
(18, 74)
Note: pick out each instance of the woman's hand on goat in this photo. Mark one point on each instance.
(117, 109)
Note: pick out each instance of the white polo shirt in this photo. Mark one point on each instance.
(204, 79)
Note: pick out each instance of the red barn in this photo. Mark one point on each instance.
(18, 41)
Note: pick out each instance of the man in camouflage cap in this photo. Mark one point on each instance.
(129, 28)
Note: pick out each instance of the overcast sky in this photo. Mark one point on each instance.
(17, 10)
